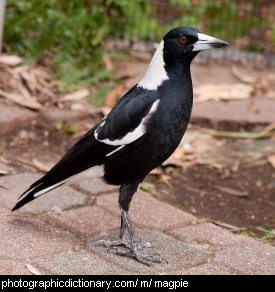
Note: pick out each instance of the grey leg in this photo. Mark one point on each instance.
(127, 240)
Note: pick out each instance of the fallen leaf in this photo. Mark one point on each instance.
(77, 95)
(147, 187)
(271, 160)
(222, 224)
(222, 91)
(45, 167)
(10, 60)
(105, 110)
(176, 159)
(231, 191)
(165, 179)
(28, 102)
(243, 77)
(5, 169)
(237, 135)
(156, 171)
(33, 270)
(114, 95)
(108, 64)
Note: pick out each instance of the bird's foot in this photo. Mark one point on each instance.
(145, 259)
(124, 243)
(126, 248)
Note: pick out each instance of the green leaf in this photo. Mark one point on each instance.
(147, 187)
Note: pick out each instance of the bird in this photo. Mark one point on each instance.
(141, 131)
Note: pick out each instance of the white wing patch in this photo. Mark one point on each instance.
(131, 136)
(156, 72)
(93, 172)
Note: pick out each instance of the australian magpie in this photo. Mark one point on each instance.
(140, 132)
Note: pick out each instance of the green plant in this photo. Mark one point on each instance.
(73, 32)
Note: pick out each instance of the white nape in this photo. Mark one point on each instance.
(131, 136)
(156, 72)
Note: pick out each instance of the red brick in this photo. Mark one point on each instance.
(211, 269)
(207, 233)
(179, 255)
(251, 257)
(8, 267)
(88, 220)
(27, 236)
(77, 263)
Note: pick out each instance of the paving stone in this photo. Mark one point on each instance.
(96, 186)
(13, 117)
(235, 111)
(88, 220)
(64, 197)
(207, 233)
(27, 236)
(250, 258)
(13, 268)
(179, 255)
(149, 212)
(78, 263)
(211, 269)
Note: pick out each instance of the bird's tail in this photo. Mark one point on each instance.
(34, 191)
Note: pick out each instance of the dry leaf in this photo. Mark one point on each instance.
(5, 169)
(45, 167)
(114, 95)
(22, 100)
(108, 64)
(222, 224)
(33, 270)
(231, 191)
(36, 164)
(156, 171)
(222, 91)
(77, 95)
(242, 76)
(271, 160)
(10, 60)
(176, 158)
(165, 179)
(105, 110)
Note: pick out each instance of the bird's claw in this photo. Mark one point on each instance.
(125, 248)
(124, 243)
(145, 259)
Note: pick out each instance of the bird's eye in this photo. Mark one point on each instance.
(182, 40)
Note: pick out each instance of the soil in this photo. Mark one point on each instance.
(243, 198)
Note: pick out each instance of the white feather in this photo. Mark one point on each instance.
(46, 190)
(117, 149)
(135, 134)
(156, 72)
(93, 172)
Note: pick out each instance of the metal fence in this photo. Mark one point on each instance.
(247, 25)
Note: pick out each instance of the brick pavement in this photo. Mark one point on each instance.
(58, 234)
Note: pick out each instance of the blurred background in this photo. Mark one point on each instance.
(64, 64)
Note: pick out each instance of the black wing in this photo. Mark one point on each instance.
(89, 151)
(126, 116)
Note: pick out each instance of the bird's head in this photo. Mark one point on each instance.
(183, 43)
(178, 47)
